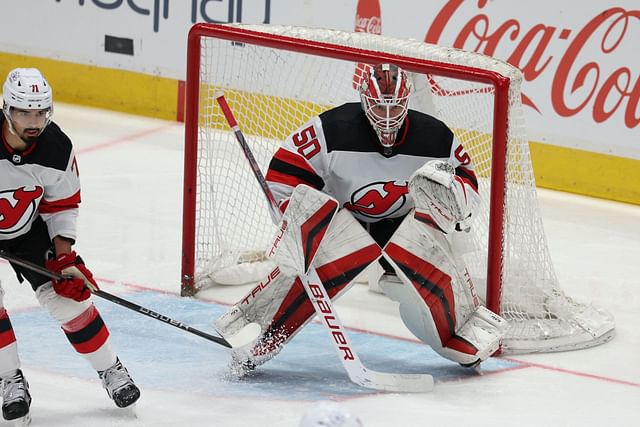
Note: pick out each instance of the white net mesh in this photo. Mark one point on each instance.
(272, 91)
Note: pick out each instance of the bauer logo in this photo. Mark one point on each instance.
(331, 321)
(17, 209)
(379, 200)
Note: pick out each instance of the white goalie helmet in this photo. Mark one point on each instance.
(384, 93)
(329, 414)
(27, 89)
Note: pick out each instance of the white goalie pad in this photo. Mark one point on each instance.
(310, 233)
(302, 229)
(438, 302)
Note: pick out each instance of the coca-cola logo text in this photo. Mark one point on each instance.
(368, 18)
(579, 81)
(372, 25)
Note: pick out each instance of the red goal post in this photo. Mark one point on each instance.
(277, 77)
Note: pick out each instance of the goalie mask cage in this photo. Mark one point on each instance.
(277, 77)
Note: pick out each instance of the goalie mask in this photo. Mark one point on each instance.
(25, 90)
(384, 93)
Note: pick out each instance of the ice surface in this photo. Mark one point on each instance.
(129, 235)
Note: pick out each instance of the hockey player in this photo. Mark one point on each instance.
(410, 184)
(39, 197)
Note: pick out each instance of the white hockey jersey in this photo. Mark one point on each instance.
(43, 180)
(338, 153)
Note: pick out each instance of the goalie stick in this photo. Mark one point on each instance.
(238, 340)
(357, 372)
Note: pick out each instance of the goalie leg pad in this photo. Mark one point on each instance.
(374, 275)
(437, 299)
(255, 305)
(280, 304)
(302, 229)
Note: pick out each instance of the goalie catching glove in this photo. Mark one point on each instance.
(81, 283)
(442, 196)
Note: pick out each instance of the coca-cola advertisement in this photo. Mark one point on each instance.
(579, 60)
(580, 64)
(368, 20)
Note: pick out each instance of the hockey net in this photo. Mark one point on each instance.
(277, 77)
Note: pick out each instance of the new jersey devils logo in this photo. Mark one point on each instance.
(379, 199)
(17, 208)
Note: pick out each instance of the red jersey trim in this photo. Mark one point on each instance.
(49, 207)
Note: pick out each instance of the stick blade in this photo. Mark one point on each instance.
(396, 383)
(246, 335)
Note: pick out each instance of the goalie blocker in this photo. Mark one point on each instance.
(438, 304)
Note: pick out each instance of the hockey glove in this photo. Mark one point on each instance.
(79, 286)
(437, 192)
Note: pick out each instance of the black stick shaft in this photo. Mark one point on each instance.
(117, 300)
(161, 317)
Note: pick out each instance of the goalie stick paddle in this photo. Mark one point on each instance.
(357, 372)
(238, 340)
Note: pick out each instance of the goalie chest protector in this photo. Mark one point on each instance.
(355, 168)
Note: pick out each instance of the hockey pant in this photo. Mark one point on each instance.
(438, 303)
(279, 304)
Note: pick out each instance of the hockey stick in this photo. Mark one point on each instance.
(323, 305)
(130, 305)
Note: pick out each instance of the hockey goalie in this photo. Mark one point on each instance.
(401, 185)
